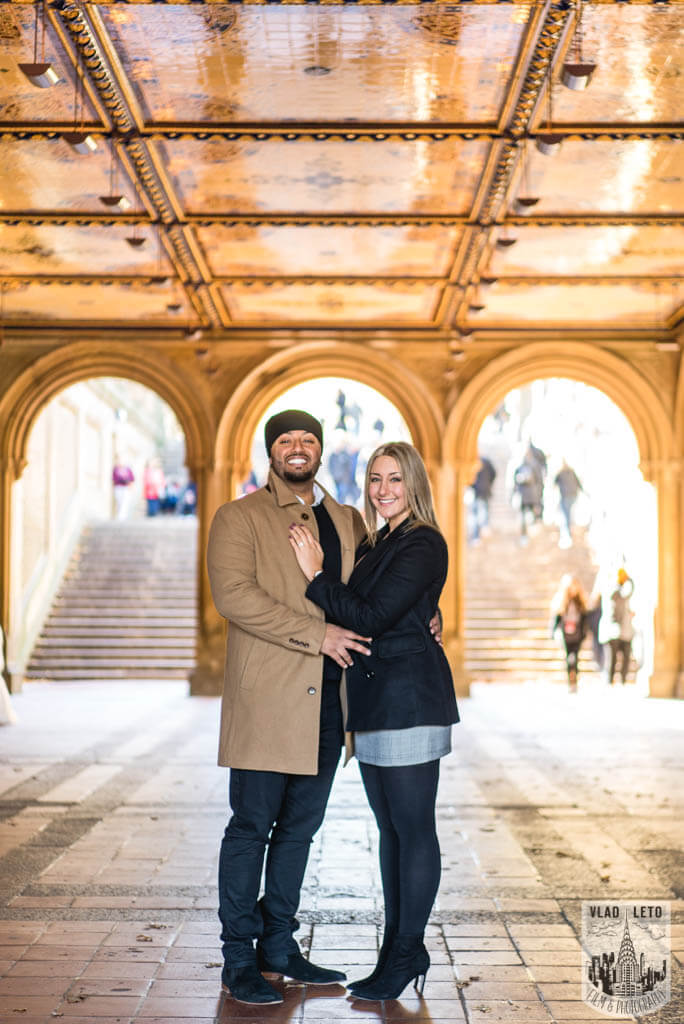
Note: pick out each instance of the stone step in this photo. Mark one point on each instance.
(107, 672)
(94, 643)
(126, 606)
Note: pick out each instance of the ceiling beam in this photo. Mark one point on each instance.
(32, 218)
(301, 131)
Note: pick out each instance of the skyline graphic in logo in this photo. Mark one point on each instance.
(625, 956)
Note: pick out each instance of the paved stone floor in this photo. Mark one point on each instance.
(112, 809)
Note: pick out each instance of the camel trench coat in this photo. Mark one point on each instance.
(273, 674)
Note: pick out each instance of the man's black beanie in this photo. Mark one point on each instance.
(291, 419)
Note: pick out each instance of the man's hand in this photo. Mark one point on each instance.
(338, 642)
(436, 628)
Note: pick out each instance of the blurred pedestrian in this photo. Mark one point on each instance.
(188, 502)
(617, 625)
(153, 485)
(482, 492)
(569, 611)
(528, 482)
(122, 478)
(569, 486)
(537, 456)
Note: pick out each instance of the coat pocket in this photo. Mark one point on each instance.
(400, 645)
(252, 664)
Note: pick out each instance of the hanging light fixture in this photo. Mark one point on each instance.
(79, 139)
(114, 200)
(160, 276)
(525, 200)
(549, 143)
(136, 240)
(39, 73)
(487, 282)
(505, 241)
(576, 73)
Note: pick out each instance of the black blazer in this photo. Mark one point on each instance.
(391, 596)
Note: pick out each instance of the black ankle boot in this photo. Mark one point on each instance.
(387, 940)
(247, 985)
(298, 968)
(408, 960)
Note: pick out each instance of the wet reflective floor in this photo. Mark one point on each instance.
(112, 810)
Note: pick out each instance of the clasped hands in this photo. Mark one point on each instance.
(338, 641)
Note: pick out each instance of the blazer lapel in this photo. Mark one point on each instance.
(373, 558)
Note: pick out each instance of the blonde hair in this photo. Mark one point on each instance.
(416, 485)
(570, 588)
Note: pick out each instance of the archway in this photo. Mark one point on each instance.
(32, 390)
(647, 415)
(257, 392)
(249, 402)
(355, 418)
(558, 444)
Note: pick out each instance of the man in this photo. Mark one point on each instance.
(482, 491)
(569, 486)
(281, 719)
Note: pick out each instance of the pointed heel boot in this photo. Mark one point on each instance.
(387, 941)
(408, 960)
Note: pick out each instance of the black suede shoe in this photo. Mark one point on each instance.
(300, 969)
(246, 985)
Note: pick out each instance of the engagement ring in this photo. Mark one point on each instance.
(300, 543)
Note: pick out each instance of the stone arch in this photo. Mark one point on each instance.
(292, 366)
(619, 380)
(653, 427)
(33, 389)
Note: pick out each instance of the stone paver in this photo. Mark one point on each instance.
(112, 809)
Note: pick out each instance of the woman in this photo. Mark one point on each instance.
(570, 608)
(400, 698)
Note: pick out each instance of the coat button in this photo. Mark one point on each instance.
(370, 675)
(305, 515)
(311, 690)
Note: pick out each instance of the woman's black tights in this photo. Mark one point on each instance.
(403, 799)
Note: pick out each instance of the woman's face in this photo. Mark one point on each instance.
(386, 490)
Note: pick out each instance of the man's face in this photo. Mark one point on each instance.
(296, 456)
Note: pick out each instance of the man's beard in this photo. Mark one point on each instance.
(301, 477)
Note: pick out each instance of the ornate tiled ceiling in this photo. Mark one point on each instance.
(343, 166)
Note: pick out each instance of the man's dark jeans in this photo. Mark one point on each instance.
(282, 812)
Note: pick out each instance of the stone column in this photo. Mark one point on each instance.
(12, 673)
(214, 487)
(450, 479)
(667, 667)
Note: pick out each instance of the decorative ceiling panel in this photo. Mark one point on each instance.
(47, 174)
(622, 306)
(603, 175)
(313, 249)
(332, 303)
(391, 176)
(22, 101)
(592, 250)
(49, 249)
(94, 303)
(282, 63)
(639, 53)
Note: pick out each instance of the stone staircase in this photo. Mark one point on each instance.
(127, 605)
(509, 588)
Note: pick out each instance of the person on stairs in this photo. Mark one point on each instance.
(570, 608)
(400, 697)
(616, 627)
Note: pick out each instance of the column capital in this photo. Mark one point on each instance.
(670, 470)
